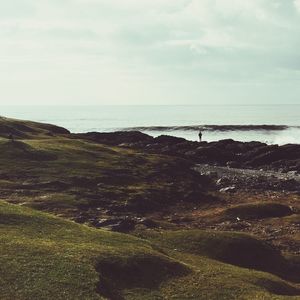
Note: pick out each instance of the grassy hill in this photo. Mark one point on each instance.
(45, 257)
(69, 176)
(49, 178)
(28, 129)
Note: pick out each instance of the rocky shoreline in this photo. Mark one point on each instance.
(248, 155)
(164, 178)
(252, 173)
(230, 179)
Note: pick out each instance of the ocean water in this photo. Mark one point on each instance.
(112, 118)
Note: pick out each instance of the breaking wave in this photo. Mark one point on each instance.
(214, 128)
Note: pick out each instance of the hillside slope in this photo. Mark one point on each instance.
(28, 129)
(45, 257)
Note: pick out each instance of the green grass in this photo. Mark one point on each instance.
(259, 210)
(230, 247)
(45, 257)
(28, 129)
(92, 175)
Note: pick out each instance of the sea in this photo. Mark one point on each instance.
(176, 120)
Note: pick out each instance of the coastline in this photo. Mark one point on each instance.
(227, 152)
(243, 123)
(126, 199)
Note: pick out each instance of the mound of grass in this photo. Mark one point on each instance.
(215, 280)
(28, 129)
(230, 247)
(288, 220)
(45, 257)
(137, 272)
(16, 150)
(257, 211)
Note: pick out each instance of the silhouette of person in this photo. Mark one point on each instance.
(11, 137)
(200, 136)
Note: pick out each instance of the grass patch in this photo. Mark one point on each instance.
(45, 257)
(257, 211)
(229, 247)
(28, 129)
(20, 150)
(93, 175)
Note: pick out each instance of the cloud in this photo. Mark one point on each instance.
(297, 5)
(150, 44)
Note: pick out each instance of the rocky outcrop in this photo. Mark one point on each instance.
(227, 152)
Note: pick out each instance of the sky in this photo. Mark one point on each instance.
(83, 52)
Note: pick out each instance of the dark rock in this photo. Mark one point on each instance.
(124, 224)
(223, 181)
(104, 222)
(270, 154)
(168, 139)
(212, 154)
(147, 222)
(232, 164)
(116, 138)
(228, 152)
(80, 219)
(239, 225)
(289, 184)
(210, 174)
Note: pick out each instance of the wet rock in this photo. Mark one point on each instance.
(229, 189)
(223, 181)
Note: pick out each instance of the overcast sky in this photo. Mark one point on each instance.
(149, 51)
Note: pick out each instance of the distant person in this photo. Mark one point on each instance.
(200, 136)
(11, 137)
